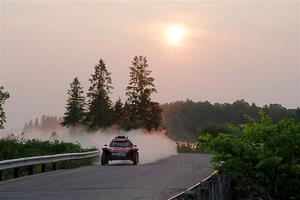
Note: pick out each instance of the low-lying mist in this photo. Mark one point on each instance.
(153, 146)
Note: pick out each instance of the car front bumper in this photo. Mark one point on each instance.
(119, 156)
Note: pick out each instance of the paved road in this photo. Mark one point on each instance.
(158, 180)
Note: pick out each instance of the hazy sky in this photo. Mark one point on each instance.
(231, 50)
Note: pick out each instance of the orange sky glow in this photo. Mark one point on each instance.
(215, 51)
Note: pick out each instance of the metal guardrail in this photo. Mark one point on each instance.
(42, 160)
(214, 187)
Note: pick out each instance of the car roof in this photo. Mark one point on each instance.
(121, 139)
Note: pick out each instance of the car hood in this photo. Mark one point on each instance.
(119, 149)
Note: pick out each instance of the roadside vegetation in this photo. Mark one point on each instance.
(15, 147)
(262, 157)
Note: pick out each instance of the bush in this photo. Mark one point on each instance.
(14, 147)
(262, 158)
(214, 130)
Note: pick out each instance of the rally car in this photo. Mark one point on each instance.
(120, 148)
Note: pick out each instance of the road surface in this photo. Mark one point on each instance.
(158, 180)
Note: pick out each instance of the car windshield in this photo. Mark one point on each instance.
(120, 144)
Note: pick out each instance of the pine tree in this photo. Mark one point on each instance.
(99, 113)
(128, 120)
(118, 112)
(75, 109)
(298, 114)
(3, 96)
(143, 113)
(36, 123)
(43, 122)
(153, 116)
(30, 125)
(25, 127)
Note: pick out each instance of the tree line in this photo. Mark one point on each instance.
(95, 110)
(185, 119)
(46, 123)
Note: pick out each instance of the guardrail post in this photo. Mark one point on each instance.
(16, 172)
(54, 166)
(30, 170)
(43, 168)
(1, 175)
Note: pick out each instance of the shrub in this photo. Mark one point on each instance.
(262, 158)
(214, 130)
(14, 147)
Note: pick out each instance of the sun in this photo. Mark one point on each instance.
(175, 35)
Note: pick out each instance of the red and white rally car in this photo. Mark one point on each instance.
(120, 148)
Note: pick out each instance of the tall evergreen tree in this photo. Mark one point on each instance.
(36, 123)
(118, 112)
(3, 96)
(143, 113)
(25, 127)
(99, 113)
(297, 114)
(153, 117)
(43, 122)
(75, 109)
(30, 125)
(129, 119)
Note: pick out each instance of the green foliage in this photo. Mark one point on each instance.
(204, 141)
(128, 121)
(187, 118)
(99, 113)
(141, 112)
(75, 109)
(118, 113)
(3, 97)
(263, 158)
(298, 113)
(215, 130)
(14, 147)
